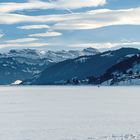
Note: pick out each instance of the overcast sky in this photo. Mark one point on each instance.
(67, 24)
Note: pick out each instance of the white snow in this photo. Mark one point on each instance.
(107, 54)
(55, 56)
(129, 82)
(17, 82)
(130, 55)
(69, 113)
(82, 59)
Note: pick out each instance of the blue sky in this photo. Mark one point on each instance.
(63, 24)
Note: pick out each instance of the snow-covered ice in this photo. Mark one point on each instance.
(69, 113)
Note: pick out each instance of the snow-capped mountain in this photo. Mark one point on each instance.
(52, 56)
(82, 69)
(23, 64)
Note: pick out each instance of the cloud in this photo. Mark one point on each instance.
(13, 6)
(92, 45)
(100, 18)
(1, 34)
(74, 4)
(34, 44)
(53, 4)
(22, 40)
(106, 45)
(28, 27)
(78, 21)
(47, 34)
(7, 18)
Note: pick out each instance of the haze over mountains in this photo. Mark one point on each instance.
(73, 67)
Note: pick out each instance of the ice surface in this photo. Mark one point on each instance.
(69, 113)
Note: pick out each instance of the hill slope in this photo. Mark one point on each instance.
(81, 67)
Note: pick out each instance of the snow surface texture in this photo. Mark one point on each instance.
(69, 113)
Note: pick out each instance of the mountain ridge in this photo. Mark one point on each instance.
(25, 63)
(82, 67)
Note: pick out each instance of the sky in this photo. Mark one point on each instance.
(69, 24)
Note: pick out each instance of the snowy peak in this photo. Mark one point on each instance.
(55, 56)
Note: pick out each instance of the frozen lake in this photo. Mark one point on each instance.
(69, 113)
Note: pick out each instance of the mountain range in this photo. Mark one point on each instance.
(106, 68)
(70, 67)
(24, 64)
